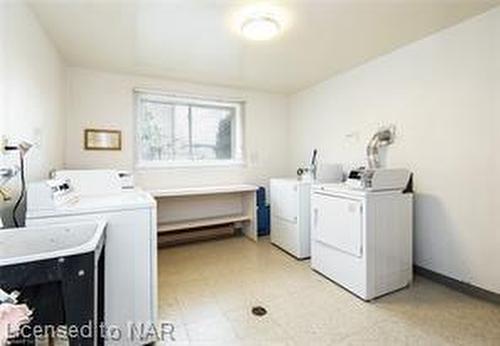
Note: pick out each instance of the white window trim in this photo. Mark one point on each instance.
(239, 141)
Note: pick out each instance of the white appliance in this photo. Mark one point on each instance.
(378, 179)
(130, 249)
(329, 172)
(290, 216)
(362, 239)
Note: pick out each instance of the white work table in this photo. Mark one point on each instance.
(185, 213)
(203, 190)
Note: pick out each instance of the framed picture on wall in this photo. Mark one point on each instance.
(102, 139)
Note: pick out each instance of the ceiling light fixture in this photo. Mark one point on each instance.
(260, 28)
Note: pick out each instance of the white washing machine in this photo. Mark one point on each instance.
(130, 249)
(362, 238)
(290, 216)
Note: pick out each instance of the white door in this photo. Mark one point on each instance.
(338, 222)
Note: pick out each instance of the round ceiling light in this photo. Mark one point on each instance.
(260, 28)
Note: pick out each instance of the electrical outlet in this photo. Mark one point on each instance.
(352, 137)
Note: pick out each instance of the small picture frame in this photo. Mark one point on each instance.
(102, 139)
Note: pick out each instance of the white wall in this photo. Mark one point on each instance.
(31, 91)
(104, 100)
(443, 94)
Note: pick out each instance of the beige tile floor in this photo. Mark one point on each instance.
(207, 290)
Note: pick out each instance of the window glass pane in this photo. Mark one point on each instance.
(184, 130)
(212, 133)
(182, 142)
(156, 131)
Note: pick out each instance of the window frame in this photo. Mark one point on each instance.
(237, 141)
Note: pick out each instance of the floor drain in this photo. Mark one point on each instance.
(259, 311)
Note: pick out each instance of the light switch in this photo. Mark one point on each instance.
(37, 137)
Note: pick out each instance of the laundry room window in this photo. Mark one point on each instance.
(187, 131)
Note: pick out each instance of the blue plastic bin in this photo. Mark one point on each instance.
(263, 220)
(261, 197)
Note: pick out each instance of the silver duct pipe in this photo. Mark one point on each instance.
(381, 138)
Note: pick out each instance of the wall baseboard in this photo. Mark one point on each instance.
(460, 286)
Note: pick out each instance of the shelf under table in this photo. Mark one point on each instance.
(191, 224)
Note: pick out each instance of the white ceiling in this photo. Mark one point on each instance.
(198, 40)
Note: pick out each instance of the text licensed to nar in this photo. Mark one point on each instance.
(140, 332)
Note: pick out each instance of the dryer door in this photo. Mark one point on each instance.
(338, 222)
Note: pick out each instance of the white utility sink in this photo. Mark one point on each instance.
(37, 243)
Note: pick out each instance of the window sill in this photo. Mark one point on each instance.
(189, 164)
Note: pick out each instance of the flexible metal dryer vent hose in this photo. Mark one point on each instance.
(381, 138)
